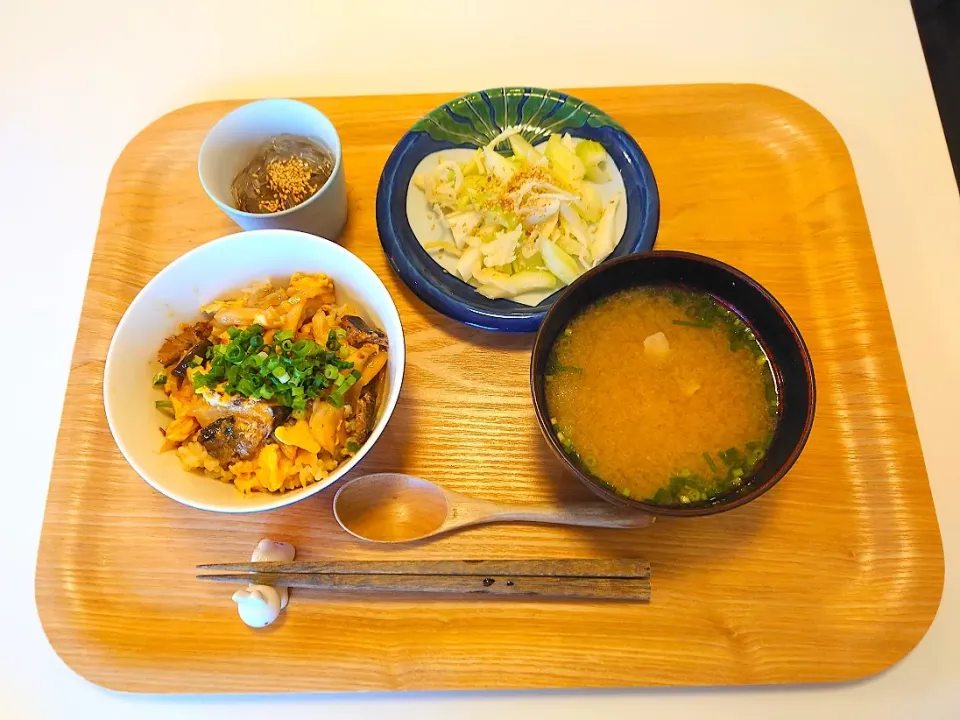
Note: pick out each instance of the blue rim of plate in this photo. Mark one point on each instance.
(473, 120)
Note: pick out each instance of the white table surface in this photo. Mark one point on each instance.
(78, 80)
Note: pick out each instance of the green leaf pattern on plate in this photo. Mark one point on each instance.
(477, 118)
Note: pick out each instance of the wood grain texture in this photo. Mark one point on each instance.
(747, 174)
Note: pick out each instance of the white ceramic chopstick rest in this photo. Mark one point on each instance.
(260, 605)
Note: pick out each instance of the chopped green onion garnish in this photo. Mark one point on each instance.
(288, 371)
(713, 466)
(352, 446)
(159, 379)
(332, 342)
(163, 404)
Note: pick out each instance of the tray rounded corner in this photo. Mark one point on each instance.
(932, 618)
(95, 674)
(905, 648)
(813, 118)
(159, 124)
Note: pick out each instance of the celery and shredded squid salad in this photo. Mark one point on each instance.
(523, 226)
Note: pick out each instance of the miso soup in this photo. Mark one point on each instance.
(663, 393)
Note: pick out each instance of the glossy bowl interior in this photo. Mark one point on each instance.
(777, 333)
(174, 296)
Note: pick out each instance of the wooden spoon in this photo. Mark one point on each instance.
(397, 508)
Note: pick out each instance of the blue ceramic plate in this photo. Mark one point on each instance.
(472, 121)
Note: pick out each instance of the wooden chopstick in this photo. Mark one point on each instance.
(587, 588)
(603, 568)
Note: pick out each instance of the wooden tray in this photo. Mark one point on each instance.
(835, 574)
